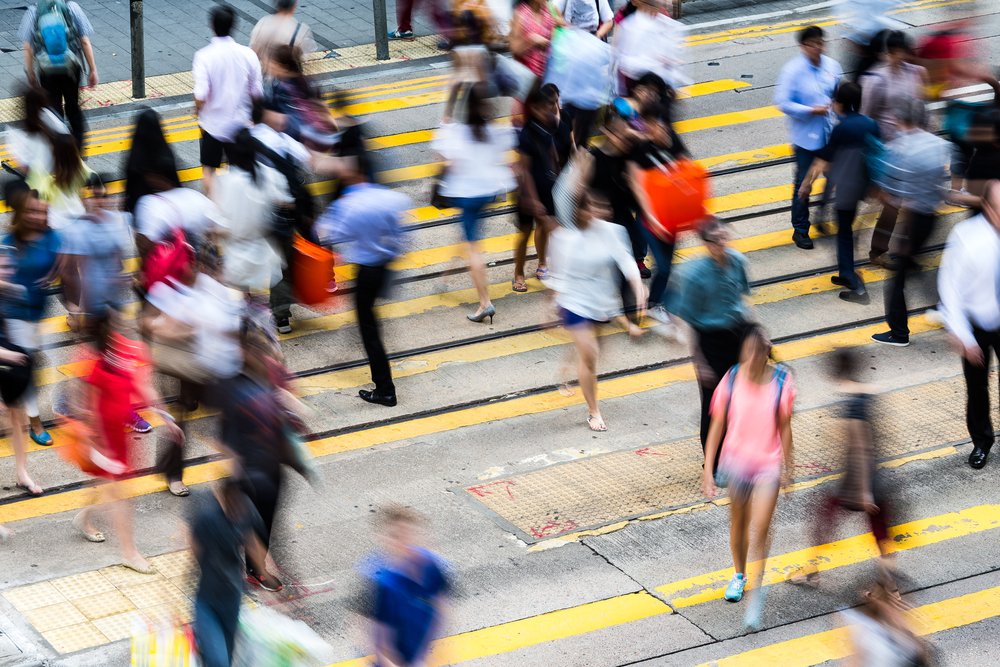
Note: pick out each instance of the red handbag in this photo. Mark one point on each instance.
(172, 258)
(677, 193)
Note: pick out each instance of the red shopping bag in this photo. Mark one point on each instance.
(311, 272)
(677, 193)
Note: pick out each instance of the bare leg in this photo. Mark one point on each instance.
(585, 341)
(738, 525)
(20, 452)
(761, 510)
(121, 516)
(477, 270)
(520, 251)
(541, 244)
(207, 179)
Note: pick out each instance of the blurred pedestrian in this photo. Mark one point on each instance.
(16, 367)
(882, 635)
(31, 147)
(366, 224)
(586, 259)
(169, 207)
(537, 169)
(222, 522)
(281, 28)
(149, 150)
(247, 196)
(308, 118)
(894, 79)
(610, 181)
(56, 36)
(36, 253)
(531, 33)
(647, 40)
(804, 93)
(711, 300)
(227, 78)
(61, 186)
(752, 406)
(476, 173)
(860, 489)
(868, 28)
(912, 173)
(969, 287)
(438, 10)
(595, 17)
(118, 384)
(844, 160)
(410, 586)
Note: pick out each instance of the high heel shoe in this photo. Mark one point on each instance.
(489, 311)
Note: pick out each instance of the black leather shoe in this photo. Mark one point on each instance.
(977, 459)
(802, 240)
(842, 282)
(388, 400)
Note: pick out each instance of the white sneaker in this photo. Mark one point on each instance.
(660, 314)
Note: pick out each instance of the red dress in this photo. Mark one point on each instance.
(114, 378)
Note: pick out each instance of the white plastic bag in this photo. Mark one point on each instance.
(651, 44)
(580, 66)
(269, 639)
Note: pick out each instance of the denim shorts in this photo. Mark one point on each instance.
(570, 319)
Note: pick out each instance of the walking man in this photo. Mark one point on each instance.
(365, 222)
(711, 301)
(912, 174)
(281, 28)
(804, 94)
(56, 36)
(969, 287)
(227, 79)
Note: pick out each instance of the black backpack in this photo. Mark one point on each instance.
(304, 210)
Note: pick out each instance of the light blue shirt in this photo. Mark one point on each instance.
(711, 294)
(365, 224)
(802, 86)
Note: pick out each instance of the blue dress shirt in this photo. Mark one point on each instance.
(802, 86)
(365, 223)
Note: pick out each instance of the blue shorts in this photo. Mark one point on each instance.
(472, 208)
(570, 319)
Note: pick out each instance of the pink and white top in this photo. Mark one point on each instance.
(542, 23)
(752, 445)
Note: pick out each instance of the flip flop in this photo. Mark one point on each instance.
(541, 273)
(596, 424)
(518, 286)
(96, 536)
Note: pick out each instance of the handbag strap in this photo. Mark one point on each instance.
(295, 34)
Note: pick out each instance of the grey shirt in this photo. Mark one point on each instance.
(914, 169)
(26, 33)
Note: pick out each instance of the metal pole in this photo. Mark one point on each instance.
(138, 49)
(381, 31)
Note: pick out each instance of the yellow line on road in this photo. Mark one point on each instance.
(823, 647)
(810, 650)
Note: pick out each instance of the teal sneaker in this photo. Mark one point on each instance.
(753, 620)
(734, 591)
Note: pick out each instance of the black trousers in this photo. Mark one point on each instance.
(919, 226)
(719, 350)
(977, 410)
(282, 293)
(371, 281)
(64, 96)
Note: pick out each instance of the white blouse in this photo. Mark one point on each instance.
(475, 168)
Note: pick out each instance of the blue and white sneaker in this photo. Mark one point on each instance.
(753, 620)
(734, 591)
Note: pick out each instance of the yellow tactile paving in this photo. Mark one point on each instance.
(594, 492)
(93, 608)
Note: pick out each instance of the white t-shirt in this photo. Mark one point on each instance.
(213, 311)
(281, 143)
(226, 79)
(156, 215)
(476, 168)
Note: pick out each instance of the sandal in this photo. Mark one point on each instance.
(542, 272)
(179, 489)
(596, 423)
(266, 581)
(96, 536)
(518, 285)
(30, 487)
(136, 567)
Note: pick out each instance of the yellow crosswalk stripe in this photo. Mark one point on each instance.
(811, 650)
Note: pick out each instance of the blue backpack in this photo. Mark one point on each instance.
(56, 42)
(780, 374)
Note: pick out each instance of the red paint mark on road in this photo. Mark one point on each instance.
(553, 528)
(483, 490)
(646, 451)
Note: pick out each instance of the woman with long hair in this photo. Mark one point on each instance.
(586, 260)
(289, 90)
(752, 406)
(35, 251)
(60, 187)
(475, 153)
(31, 144)
(149, 151)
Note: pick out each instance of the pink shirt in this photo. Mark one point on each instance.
(542, 24)
(753, 439)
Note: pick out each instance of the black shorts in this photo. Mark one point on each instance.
(14, 380)
(213, 150)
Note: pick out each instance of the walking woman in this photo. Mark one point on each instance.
(15, 375)
(150, 151)
(530, 37)
(475, 153)
(753, 407)
(60, 187)
(585, 265)
(36, 251)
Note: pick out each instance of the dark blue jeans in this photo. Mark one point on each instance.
(845, 247)
(215, 635)
(800, 209)
(663, 256)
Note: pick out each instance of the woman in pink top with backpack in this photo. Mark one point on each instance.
(752, 406)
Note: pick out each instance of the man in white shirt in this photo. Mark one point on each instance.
(227, 78)
(969, 288)
(281, 28)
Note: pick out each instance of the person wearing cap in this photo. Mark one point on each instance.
(711, 300)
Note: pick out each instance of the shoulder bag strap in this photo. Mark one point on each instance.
(298, 26)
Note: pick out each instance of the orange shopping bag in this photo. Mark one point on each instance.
(311, 271)
(677, 193)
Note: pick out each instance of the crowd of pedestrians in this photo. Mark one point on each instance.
(216, 279)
